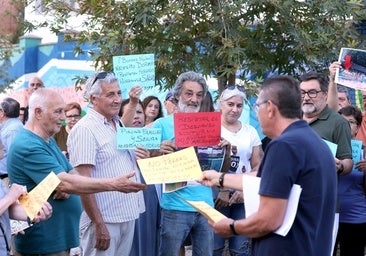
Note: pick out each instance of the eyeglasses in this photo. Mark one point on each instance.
(257, 105)
(100, 75)
(312, 93)
(73, 116)
(232, 87)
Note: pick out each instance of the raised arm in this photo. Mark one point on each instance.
(332, 99)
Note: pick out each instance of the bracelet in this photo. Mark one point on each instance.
(232, 227)
(221, 180)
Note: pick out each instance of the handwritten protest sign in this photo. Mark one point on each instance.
(197, 129)
(137, 69)
(353, 71)
(130, 138)
(206, 210)
(175, 167)
(33, 201)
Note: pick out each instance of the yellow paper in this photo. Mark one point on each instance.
(179, 166)
(206, 210)
(33, 201)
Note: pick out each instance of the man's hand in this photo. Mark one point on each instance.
(134, 94)
(222, 227)
(210, 178)
(123, 183)
(167, 147)
(59, 195)
(102, 237)
(44, 214)
(222, 199)
(333, 68)
(236, 198)
(15, 191)
(142, 153)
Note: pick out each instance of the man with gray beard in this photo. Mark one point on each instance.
(327, 123)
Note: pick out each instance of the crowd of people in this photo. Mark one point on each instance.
(103, 206)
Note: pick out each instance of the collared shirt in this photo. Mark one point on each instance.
(93, 141)
(333, 127)
(9, 129)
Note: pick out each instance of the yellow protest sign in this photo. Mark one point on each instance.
(33, 201)
(179, 166)
(206, 210)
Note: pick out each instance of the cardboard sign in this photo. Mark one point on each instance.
(137, 69)
(197, 129)
(33, 201)
(179, 166)
(130, 138)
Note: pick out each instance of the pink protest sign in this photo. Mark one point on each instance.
(197, 129)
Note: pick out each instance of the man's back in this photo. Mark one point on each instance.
(299, 156)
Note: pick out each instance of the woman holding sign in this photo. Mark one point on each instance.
(246, 154)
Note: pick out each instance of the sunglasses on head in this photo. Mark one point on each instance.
(101, 75)
(232, 87)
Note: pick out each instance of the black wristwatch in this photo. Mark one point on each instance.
(232, 227)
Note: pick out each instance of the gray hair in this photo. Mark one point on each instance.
(189, 76)
(343, 90)
(39, 99)
(11, 107)
(93, 85)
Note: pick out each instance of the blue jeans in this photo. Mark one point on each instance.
(238, 245)
(177, 225)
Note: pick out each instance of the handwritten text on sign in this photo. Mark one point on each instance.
(131, 70)
(175, 167)
(130, 138)
(197, 129)
(33, 201)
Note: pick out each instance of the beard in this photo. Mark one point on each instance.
(308, 108)
(186, 108)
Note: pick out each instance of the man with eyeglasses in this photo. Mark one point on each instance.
(295, 155)
(108, 219)
(327, 123)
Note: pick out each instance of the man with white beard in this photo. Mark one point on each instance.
(178, 219)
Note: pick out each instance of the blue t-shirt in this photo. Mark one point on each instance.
(299, 156)
(173, 200)
(30, 160)
(352, 198)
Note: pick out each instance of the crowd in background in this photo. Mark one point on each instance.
(296, 116)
